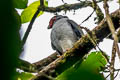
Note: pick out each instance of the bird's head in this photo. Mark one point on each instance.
(54, 19)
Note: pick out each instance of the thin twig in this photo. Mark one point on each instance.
(116, 74)
(30, 27)
(107, 76)
(92, 39)
(117, 50)
(98, 11)
(42, 3)
(118, 34)
(108, 70)
(109, 21)
(87, 17)
(112, 61)
(41, 7)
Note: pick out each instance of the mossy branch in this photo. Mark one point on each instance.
(81, 47)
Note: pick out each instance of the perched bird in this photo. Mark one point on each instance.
(64, 34)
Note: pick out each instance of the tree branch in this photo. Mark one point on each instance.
(109, 21)
(26, 66)
(41, 7)
(44, 62)
(68, 7)
(98, 11)
(42, 3)
(29, 27)
(112, 61)
(81, 47)
(118, 35)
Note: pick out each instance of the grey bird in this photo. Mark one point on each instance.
(64, 33)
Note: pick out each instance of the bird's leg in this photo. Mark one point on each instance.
(67, 49)
(58, 55)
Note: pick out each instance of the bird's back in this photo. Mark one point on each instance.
(62, 35)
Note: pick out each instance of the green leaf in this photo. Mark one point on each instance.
(119, 2)
(23, 76)
(20, 4)
(29, 12)
(89, 69)
(11, 42)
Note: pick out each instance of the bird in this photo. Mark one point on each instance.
(65, 32)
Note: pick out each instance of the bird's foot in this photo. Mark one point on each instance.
(67, 49)
(58, 56)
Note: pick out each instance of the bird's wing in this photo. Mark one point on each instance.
(55, 42)
(78, 31)
(55, 48)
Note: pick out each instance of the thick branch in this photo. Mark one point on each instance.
(81, 47)
(75, 6)
(37, 66)
(26, 66)
(44, 62)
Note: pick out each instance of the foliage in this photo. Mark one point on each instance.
(23, 76)
(10, 43)
(89, 69)
(20, 4)
(29, 12)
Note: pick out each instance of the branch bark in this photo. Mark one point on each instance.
(118, 35)
(26, 66)
(112, 61)
(44, 62)
(98, 11)
(68, 7)
(81, 47)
